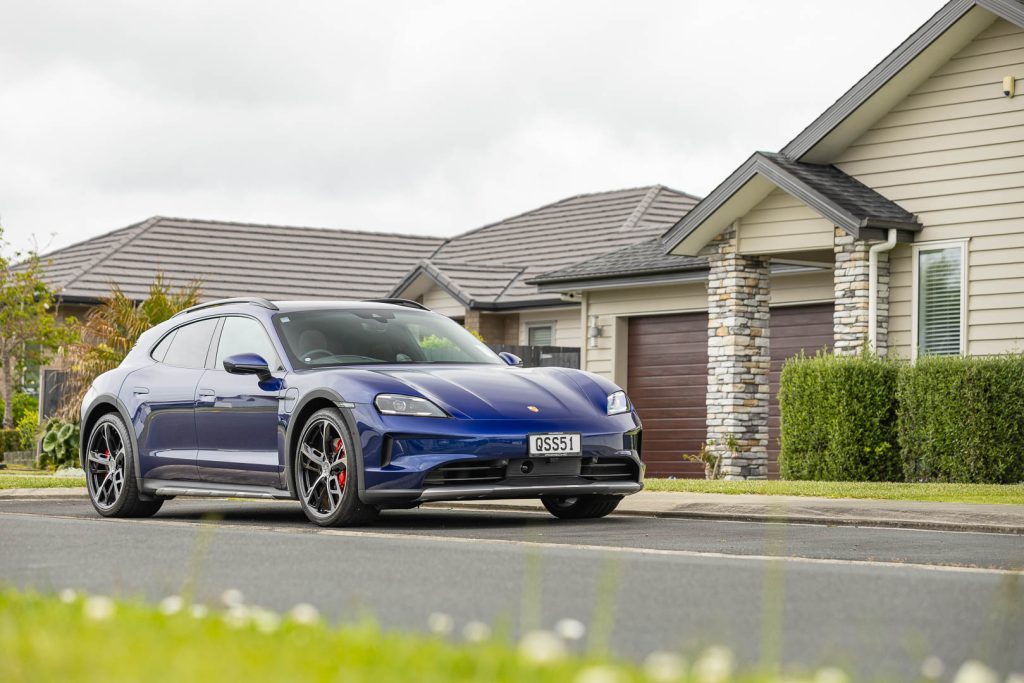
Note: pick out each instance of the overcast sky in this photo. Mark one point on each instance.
(420, 117)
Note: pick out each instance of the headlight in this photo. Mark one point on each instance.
(397, 404)
(618, 403)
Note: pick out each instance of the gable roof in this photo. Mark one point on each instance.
(955, 24)
(232, 259)
(490, 267)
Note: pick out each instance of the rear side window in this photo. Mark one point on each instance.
(245, 335)
(160, 351)
(190, 345)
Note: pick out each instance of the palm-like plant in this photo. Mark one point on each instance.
(110, 331)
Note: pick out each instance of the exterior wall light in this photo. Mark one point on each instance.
(593, 331)
(1009, 86)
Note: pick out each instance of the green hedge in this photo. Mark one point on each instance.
(10, 440)
(22, 403)
(962, 419)
(839, 419)
(947, 419)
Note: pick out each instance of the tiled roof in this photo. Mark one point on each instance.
(647, 257)
(236, 259)
(492, 265)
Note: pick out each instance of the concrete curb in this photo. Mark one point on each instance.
(725, 512)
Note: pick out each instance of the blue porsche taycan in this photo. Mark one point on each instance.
(350, 408)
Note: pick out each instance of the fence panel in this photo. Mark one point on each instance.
(543, 356)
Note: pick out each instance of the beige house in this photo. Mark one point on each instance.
(895, 219)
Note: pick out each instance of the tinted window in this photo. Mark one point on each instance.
(245, 335)
(190, 344)
(161, 349)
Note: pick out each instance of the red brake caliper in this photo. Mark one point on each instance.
(341, 475)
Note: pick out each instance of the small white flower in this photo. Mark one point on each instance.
(304, 613)
(476, 632)
(199, 611)
(237, 616)
(265, 620)
(664, 667)
(973, 671)
(601, 673)
(172, 604)
(542, 647)
(98, 608)
(232, 597)
(715, 665)
(932, 667)
(570, 629)
(67, 596)
(831, 674)
(440, 623)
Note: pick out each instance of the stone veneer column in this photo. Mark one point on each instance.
(850, 320)
(738, 361)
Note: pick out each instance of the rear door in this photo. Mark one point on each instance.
(161, 400)
(236, 420)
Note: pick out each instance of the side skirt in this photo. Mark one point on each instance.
(166, 488)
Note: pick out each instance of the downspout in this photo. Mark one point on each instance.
(873, 253)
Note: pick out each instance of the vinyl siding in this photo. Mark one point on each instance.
(614, 306)
(782, 223)
(440, 301)
(566, 322)
(952, 152)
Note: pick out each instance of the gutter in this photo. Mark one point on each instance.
(873, 253)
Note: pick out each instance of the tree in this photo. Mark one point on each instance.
(110, 331)
(29, 328)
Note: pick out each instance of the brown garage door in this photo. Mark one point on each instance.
(793, 328)
(667, 382)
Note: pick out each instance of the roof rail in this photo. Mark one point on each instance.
(254, 300)
(408, 303)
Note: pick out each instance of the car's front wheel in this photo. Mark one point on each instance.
(580, 507)
(110, 471)
(326, 477)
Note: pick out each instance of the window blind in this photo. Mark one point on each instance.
(939, 312)
(540, 336)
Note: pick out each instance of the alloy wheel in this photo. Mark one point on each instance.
(106, 465)
(323, 467)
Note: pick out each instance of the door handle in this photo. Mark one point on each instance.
(140, 391)
(207, 394)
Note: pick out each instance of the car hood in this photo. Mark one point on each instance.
(496, 392)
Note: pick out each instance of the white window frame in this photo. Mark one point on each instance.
(915, 285)
(542, 323)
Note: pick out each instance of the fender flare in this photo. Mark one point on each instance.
(344, 407)
(122, 411)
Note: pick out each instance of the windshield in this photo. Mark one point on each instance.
(363, 336)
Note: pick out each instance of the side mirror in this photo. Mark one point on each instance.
(512, 359)
(248, 364)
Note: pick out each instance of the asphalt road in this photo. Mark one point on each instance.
(875, 600)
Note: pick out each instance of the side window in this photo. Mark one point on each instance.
(245, 335)
(540, 335)
(160, 351)
(940, 299)
(190, 345)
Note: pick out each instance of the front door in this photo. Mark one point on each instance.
(236, 420)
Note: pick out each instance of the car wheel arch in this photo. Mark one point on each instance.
(309, 404)
(105, 404)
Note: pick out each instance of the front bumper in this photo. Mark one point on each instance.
(408, 461)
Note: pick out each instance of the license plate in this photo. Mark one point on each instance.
(547, 445)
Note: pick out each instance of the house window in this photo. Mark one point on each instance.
(540, 335)
(940, 295)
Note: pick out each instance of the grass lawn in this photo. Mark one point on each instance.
(945, 493)
(77, 638)
(20, 477)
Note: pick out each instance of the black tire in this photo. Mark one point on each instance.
(589, 506)
(106, 498)
(317, 502)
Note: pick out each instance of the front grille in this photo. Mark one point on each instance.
(467, 472)
(608, 469)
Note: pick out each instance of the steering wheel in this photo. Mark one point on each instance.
(319, 353)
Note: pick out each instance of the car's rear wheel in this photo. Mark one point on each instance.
(580, 507)
(110, 471)
(326, 476)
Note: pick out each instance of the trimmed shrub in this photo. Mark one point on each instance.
(10, 440)
(962, 419)
(839, 418)
(28, 430)
(21, 403)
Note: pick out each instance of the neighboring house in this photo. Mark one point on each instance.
(481, 277)
(233, 259)
(926, 150)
